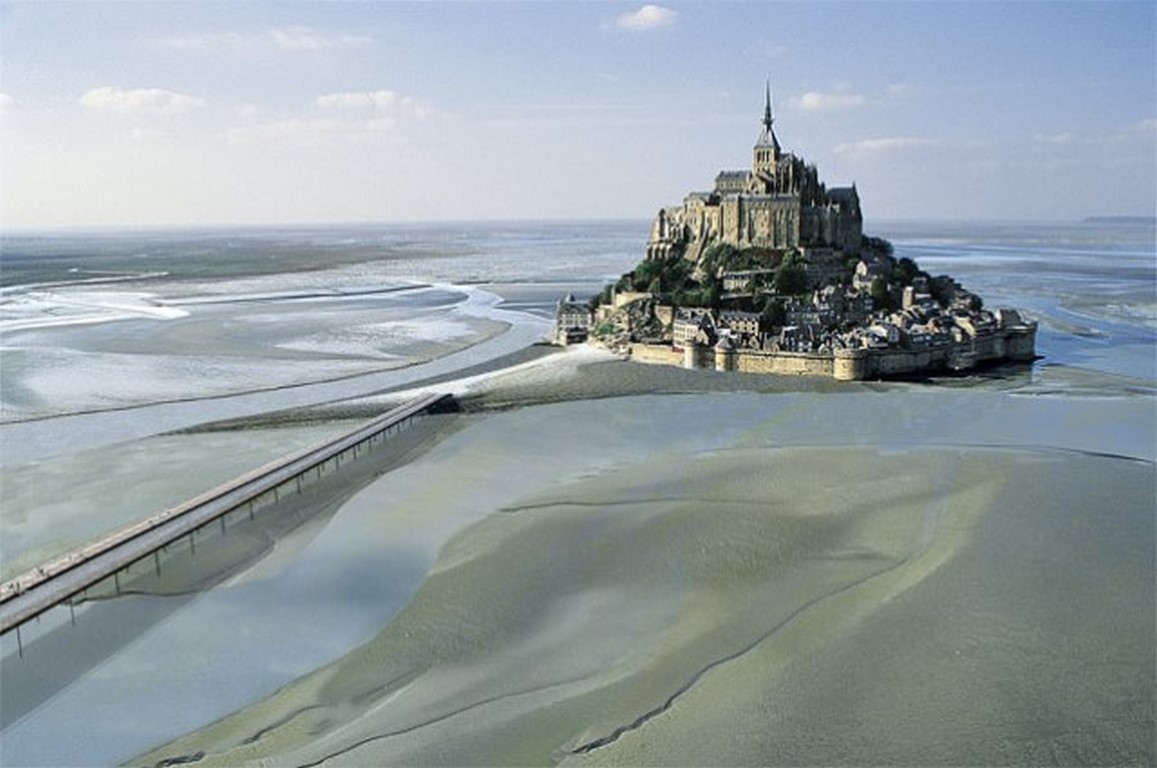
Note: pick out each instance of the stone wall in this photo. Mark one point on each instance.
(847, 364)
(621, 299)
(1020, 343)
(656, 353)
(900, 362)
(785, 363)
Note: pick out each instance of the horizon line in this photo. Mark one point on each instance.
(88, 228)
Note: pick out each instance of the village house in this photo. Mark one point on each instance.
(742, 282)
(867, 270)
(742, 324)
(692, 326)
(573, 321)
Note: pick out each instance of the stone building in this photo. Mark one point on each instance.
(779, 204)
(692, 326)
(573, 321)
(742, 323)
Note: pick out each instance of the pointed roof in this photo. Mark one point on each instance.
(767, 135)
(768, 118)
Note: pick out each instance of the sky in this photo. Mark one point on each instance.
(200, 113)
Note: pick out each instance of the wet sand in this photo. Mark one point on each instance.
(209, 617)
(52, 506)
(848, 577)
(740, 570)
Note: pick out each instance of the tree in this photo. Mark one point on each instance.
(943, 289)
(791, 279)
(849, 270)
(876, 245)
(905, 271)
(646, 272)
(881, 296)
(676, 273)
(719, 255)
(713, 291)
(602, 298)
(774, 314)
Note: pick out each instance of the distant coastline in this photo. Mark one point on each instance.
(1150, 220)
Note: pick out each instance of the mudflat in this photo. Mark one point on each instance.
(854, 577)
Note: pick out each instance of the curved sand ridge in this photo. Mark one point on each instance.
(757, 605)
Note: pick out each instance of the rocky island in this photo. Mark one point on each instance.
(770, 272)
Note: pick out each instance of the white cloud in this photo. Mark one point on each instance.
(292, 38)
(816, 101)
(351, 116)
(302, 38)
(310, 132)
(149, 100)
(883, 145)
(648, 17)
(1064, 137)
(146, 134)
(292, 131)
(211, 41)
(1149, 124)
(378, 101)
(6, 101)
(772, 50)
(415, 108)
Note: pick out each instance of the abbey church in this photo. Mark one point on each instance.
(779, 205)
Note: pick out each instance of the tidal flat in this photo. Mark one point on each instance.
(596, 561)
(837, 578)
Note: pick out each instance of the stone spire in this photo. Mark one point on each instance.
(767, 135)
(768, 118)
(765, 154)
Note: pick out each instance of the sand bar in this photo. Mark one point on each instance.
(788, 588)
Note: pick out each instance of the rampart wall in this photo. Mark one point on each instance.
(785, 363)
(656, 353)
(1016, 344)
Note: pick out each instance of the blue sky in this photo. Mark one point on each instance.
(185, 113)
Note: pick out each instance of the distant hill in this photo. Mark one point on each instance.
(1119, 220)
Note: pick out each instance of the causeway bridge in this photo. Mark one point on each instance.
(62, 578)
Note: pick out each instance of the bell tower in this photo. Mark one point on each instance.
(765, 154)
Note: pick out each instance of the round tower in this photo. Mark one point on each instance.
(850, 364)
(725, 355)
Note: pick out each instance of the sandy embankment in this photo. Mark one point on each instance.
(756, 604)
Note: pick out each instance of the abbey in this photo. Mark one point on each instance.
(780, 204)
(770, 272)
